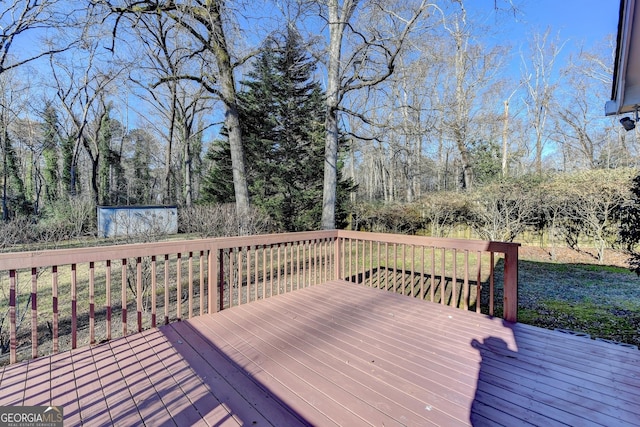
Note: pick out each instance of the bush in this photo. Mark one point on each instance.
(219, 220)
(502, 211)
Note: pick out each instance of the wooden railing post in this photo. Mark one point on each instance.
(510, 302)
(337, 256)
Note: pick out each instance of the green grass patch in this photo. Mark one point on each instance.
(603, 301)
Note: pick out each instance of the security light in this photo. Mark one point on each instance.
(627, 123)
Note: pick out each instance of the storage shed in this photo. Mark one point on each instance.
(131, 220)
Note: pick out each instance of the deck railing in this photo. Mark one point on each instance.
(450, 271)
(61, 299)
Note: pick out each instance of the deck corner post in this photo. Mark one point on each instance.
(510, 302)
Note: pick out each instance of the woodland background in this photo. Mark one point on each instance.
(399, 116)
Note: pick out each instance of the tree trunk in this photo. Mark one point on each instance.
(505, 138)
(337, 21)
(232, 116)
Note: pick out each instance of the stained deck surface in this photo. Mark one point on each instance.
(337, 354)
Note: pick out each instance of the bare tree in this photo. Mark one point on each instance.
(538, 67)
(19, 18)
(81, 83)
(587, 138)
(181, 103)
(376, 42)
(206, 21)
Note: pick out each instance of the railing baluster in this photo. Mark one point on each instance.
(139, 293)
(166, 289)
(386, 266)
(286, 267)
(264, 271)
(190, 276)
(422, 273)
(179, 286)
(350, 260)
(74, 307)
(395, 268)
(443, 279)
(240, 273)
(255, 273)
(248, 274)
(313, 264)
(54, 306)
(325, 260)
(92, 312)
(13, 340)
(154, 286)
(412, 277)
(279, 267)
(34, 313)
(270, 270)
(491, 288)
(356, 262)
(454, 281)
(107, 303)
(404, 271)
(211, 278)
(479, 282)
(378, 269)
(202, 291)
(123, 296)
(432, 292)
(297, 265)
(221, 279)
(466, 279)
(370, 263)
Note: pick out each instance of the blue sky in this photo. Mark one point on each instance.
(579, 20)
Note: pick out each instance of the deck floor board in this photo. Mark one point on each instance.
(337, 354)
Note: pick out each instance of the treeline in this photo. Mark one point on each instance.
(597, 209)
(266, 106)
(282, 122)
(589, 208)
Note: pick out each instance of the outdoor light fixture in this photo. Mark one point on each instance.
(628, 123)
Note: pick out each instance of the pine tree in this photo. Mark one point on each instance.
(283, 113)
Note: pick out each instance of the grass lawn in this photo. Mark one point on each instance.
(573, 292)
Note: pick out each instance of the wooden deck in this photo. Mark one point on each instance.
(337, 354)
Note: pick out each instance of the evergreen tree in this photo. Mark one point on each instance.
(104, 150)
(283, 113)
(141, 183)
(486, 159)
(69, 169)
(13, 189)
(50, 153)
